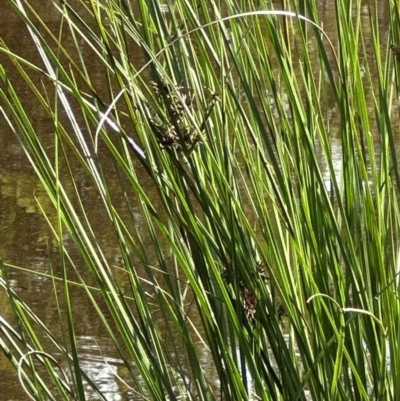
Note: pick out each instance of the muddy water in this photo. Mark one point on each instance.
(26, 239)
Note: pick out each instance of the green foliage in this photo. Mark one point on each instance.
(254, 243)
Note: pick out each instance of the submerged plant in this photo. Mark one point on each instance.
(229, 254)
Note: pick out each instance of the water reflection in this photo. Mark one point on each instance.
(103, 370)
(27, 239)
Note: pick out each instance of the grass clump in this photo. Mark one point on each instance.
(236, 229)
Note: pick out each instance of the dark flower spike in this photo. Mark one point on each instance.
(396, 51)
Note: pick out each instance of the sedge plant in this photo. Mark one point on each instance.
(239, 232)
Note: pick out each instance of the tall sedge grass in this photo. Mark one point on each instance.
(254, 244)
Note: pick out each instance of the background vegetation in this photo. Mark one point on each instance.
(240, 236)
